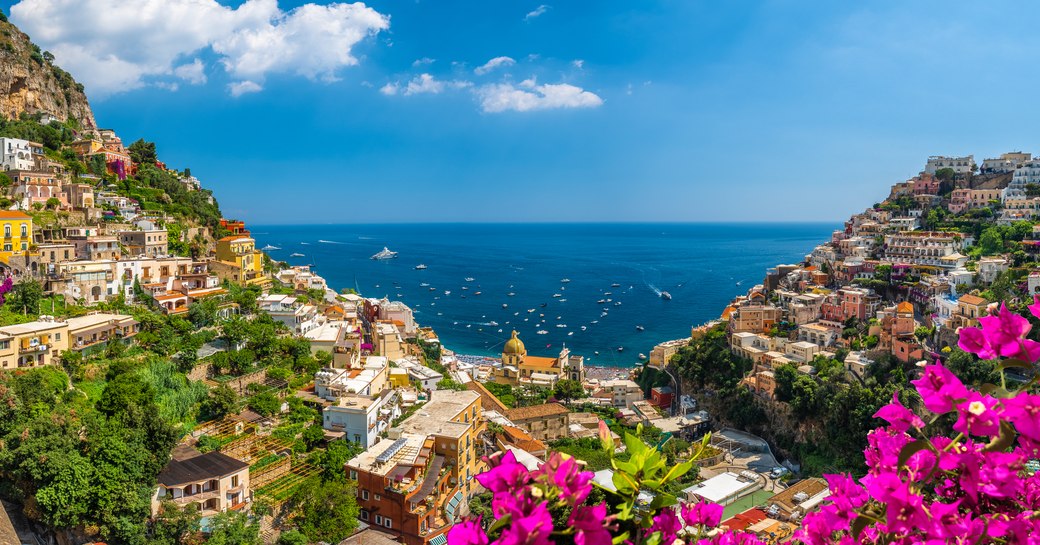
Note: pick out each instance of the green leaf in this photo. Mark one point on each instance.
(677, 471)
(858, 526)
(634, 445)
(1002, 441)
(625, 483)
(501, 522)
(1013, 363)
(912, 448)
(620, 538)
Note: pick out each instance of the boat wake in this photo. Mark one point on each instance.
(330, 242)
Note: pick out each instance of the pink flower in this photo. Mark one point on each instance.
(899, 417)
(589, 525)
(1005, 332)
(977, 415)
(1035, 307)
(1023, 411)
(565, 474)
(668, 524)
(467, 532)
(505, 475)
(971, 339)
(705, 514)
(528, 529)
(940, 389)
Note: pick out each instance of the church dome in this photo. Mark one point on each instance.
(514, 346)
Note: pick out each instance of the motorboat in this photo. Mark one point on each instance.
(469, 279)
(666, 296)
(385, 254)
(621, 349)
(640, 328)
(542, 332)
(424, 284)
(615, 285)
(557, 295)
(511, 294)
(564, 280)
(269, 247)
(421, 267)
(447, 292)
(295, 254)
(601, 301)
(642, 356)
(505, 305)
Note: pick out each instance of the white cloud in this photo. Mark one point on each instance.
(530, 96)
(494, 63)
(425, 61)
(423, 84)
(536, 12)
(115, 45)
(578, 63)
(194, 73)
(240, 88)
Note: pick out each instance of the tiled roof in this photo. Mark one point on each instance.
(536, 411)
(972, 299)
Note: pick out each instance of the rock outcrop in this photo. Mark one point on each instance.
(31, 83)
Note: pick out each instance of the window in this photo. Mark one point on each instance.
(364, 494)
(353, 475)
(57, 336)
(386, 522)
(7, 247)
(7, 231)
(234, 481)
(363, 514)
(376, 497)
(24, 247)
(25, 231)
(379, 519)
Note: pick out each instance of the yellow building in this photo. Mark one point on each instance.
(239, 261)
(32, 344)
(519, 368)
(17, 231)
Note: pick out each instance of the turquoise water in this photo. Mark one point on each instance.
(698, 264)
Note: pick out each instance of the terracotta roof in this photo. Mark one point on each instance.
(14, 215)
(905, 306)
(972, 299)
(522, 440)
(539, 361)
(741, 521)
(536, 411)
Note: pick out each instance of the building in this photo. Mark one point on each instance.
(724, 488)
(17, 154)
(211, 483)
(17, 229)
(622, 392)
(93, 332)
(545, 422)
(32, 188)
(89, 281)
(94, 246)
(923, 248)
(145, 243)
(1007, 162)
(959, 165)
(798, 499)
(291, 312)
(520, 368)
(988, 269)
(239, 261)
(417, 483)
(33, 344)
(361, 418)
(662, 353)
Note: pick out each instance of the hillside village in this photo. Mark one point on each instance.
(164, 380)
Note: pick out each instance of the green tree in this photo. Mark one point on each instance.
(327, 510)
(26, 296)
(53, 203)
(312, 436)
(221, 401)
(233, 528)
(568, 389)
(945, 174)
(292, 537)
(142, 152)
(336, 454)
(174, 525)
(265, 403)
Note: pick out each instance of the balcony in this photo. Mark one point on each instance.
(197, 497)
(34, 348)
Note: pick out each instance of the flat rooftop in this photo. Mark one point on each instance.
(405, 454)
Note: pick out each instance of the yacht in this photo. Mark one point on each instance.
(420, 267)
(296, 254)
(640, 328)
(505, 305)
(269, 247)
(542, 332)
(615, 285)
(424, 284)
(565, 280)
(557, 295)
(385, 254)
(469, 279)
(666, 296)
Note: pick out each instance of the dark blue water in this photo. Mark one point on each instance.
(699, 264)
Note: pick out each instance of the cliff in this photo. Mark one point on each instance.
(31, 83)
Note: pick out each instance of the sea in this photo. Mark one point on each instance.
(594, 288)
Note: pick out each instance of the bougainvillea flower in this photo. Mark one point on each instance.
(971, 339)
(467, 532)
(899, 418)
(590, 525)
(668, 524)
(702, 514)
(505, 475)
(940, 389)
(977, 416)
(528, 529)
(565, 474)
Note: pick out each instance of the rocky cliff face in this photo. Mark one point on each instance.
(31, 83)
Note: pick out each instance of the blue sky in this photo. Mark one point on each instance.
(679, 110)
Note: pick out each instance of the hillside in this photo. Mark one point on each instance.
(30, 82)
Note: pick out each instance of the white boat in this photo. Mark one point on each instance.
(296, 254)
(493, 323)
(269, 247)
(666, 296)
(640, 328)
(563, 300)
(621, 349)
(530, 310)
(385, 254)
(447, 292)
(420, 267)
(561, 325)
(469, 279)
(424, 284)
(511, 294)
(642, 356)
(584, 327)
(465, 287)
(564, 280)
(594, 322)
(570, 333)
(557, 295)
(615, 285)
(505, 305)
(542, 332)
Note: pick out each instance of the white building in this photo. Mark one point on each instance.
(623, 392)
(1027, 173)
(290, 311)
(989, 268)
(362, 418)
(960, 165)
(923, 247)
(418, 372)
(1007, 162)
(17, 154)
(332, 384)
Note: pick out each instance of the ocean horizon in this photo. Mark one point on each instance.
(595, 287)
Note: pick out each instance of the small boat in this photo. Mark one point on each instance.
(594, 322)
(433, 289)
(511, 294)
(617, 303)
(505, 305)
(420, 267)
(542, 332)
(500, 330)
(295, 254)
(557, 295)
(476, 293)
(584, 327)
(469, 325)
(666, 296)
(602, 314)
(642, 356)
(469, 279)
(447, 292)
(601, 301)
(465, 287)
(608, 293)
(493, 323)
(621, 349)
(530, 310)
(564, 280)
(570, 333)
(269, 247)
(596, 352)
(640, 328)
(561, 325)
(424, 284)
(564, 300)
(385, 254)
(615, 285)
